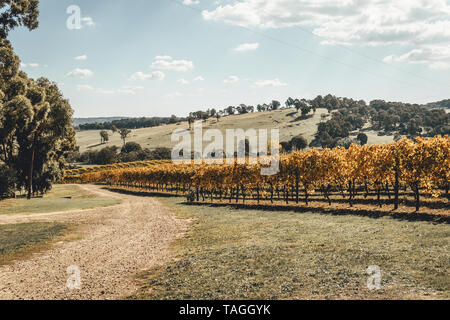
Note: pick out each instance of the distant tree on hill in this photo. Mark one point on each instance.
(131, 147)
(124, 133)
(298, 143)
(362, 137)
(289, 102)
(230, 110)
(161, 154)
(190, 121)
(107, 155)
(104, 136)
(275, 105)
(173, 119)
(242, 109)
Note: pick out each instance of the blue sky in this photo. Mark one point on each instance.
(160, 57)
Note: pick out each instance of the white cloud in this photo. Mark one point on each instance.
(105, 91)
(182, 81)
(190, 2)
(133, 87)
(88, 21)
(31, 65)
(168, 63)
(416, 24)
(80, 73)
(84, 87)
(163, 58)
(124, 90)
(199, 78)
(140, 76)
(247, 47)
(269, 83)
(174, 95)
(83, 57)
(435, 58)
(231, 79)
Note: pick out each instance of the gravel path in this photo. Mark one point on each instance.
(117, 243)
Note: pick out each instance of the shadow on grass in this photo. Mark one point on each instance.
(336, 212)
(406, 203)
(301, 118)
(144, 193)
(374, 214)
(96, 145)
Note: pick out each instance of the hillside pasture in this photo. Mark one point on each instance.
(288, 121)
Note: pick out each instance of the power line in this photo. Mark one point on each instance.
(369, 57)
(318, 54)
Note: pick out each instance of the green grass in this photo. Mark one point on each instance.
(260, 254)
(20, 240)
(57, 200)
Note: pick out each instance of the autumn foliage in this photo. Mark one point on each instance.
(420, 166)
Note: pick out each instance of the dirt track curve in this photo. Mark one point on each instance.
(117, 243)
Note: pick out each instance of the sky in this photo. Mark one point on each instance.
(162, 57)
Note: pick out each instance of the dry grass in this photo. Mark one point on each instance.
(61, 198)
(287, 120)
(243, 253)
(19, 241)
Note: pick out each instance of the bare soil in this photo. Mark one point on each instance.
(117, 243)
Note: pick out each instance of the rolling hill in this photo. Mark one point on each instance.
(287, 120)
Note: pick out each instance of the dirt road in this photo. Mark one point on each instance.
(117, 242)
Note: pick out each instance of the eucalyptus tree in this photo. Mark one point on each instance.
(36, 130)
(104, 136)
(15, 13)
(124, 133)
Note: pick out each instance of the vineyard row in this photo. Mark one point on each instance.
(420, 166)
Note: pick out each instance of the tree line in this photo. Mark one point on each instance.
(130, 123)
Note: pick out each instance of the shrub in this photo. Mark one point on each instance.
(362, 137)
(8, 181)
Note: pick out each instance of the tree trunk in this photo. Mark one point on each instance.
(257, 193)
(417, 192)
(306, 195)
(350, 194)
(30, 175)
(378, 196)
(396, 185)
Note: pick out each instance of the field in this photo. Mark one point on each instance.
(287, 120)
(61, 198)
(269, 254)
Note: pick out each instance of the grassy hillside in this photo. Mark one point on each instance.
(287, 120)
